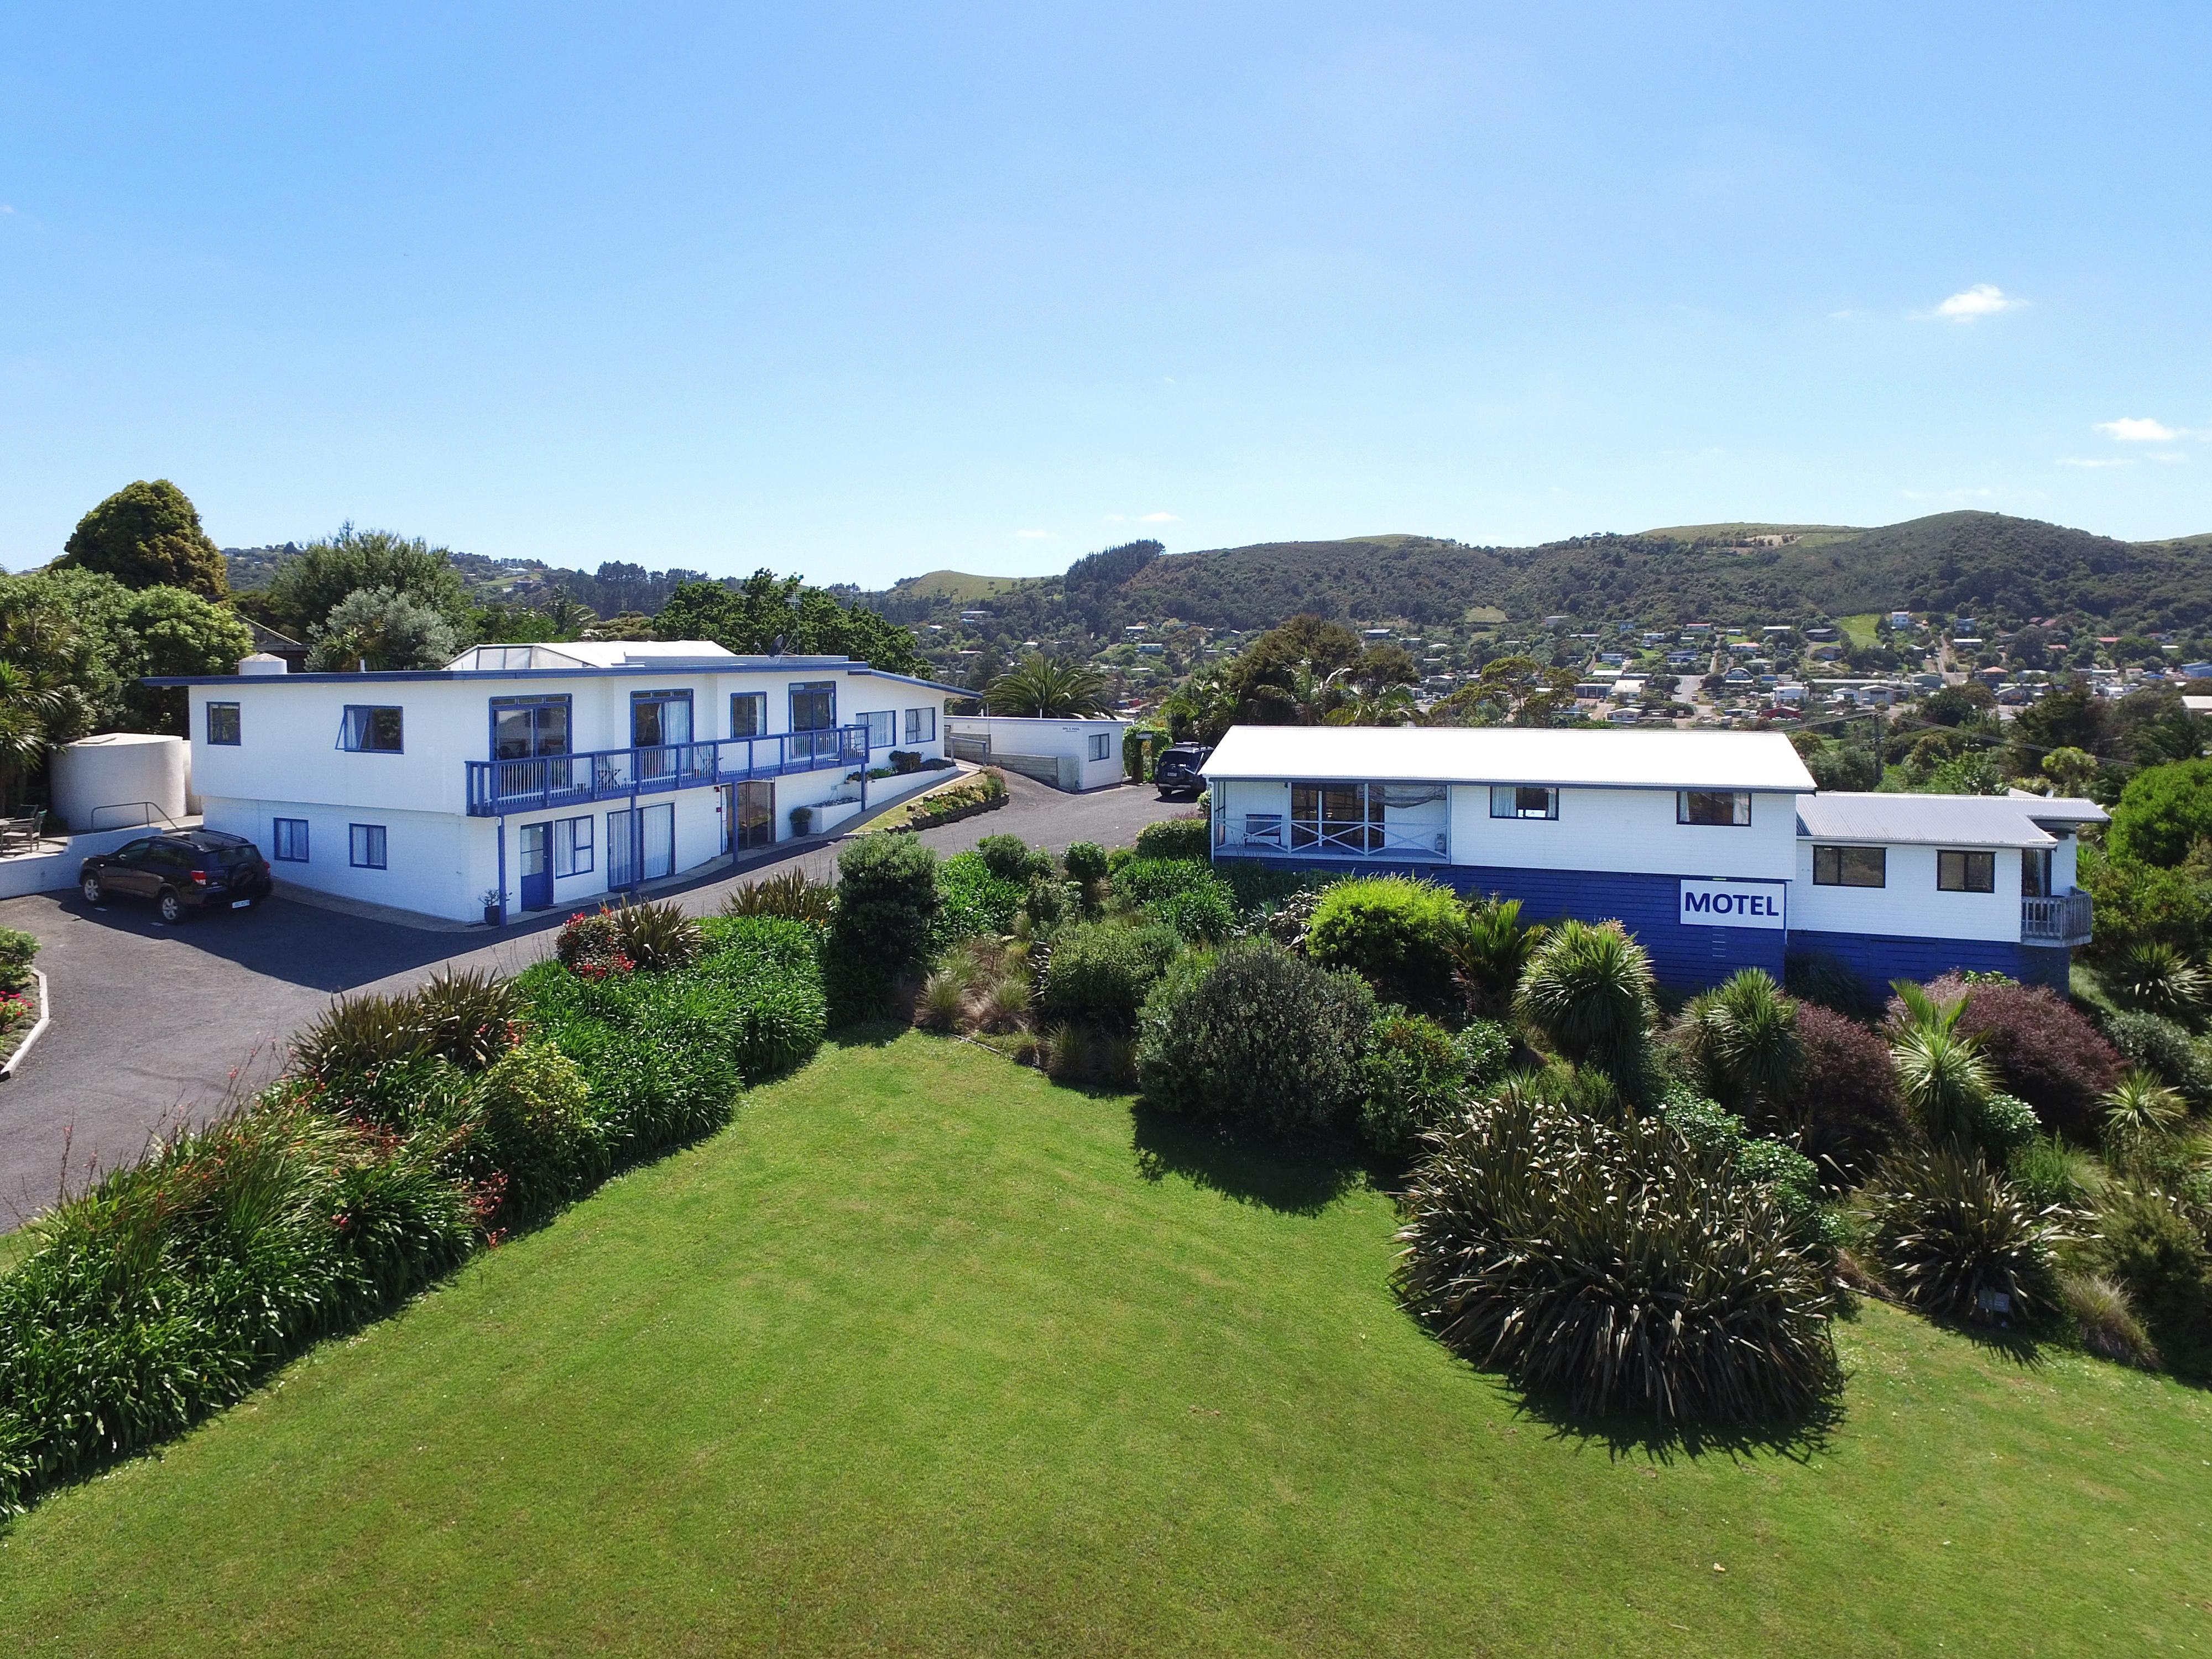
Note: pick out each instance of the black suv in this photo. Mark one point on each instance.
(1176, 770)
(184, 870)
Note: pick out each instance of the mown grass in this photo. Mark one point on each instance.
(924, 1355)
(1860, 629)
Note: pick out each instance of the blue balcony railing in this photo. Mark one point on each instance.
(548, 781)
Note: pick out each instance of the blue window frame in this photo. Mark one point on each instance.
(748, 713)
(526, 728)
(288, 845)
(572, 847)
(365, 730)
(659, 718)
(814, 706)
(921, 726)
(222, 724)
(365, 846)
(882, 728)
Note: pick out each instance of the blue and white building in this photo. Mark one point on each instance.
(530, 777)
(1715, 849)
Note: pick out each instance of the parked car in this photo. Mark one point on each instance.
(182, 871)
(1177, 772)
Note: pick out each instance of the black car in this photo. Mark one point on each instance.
(1177, 773)
(183, 871)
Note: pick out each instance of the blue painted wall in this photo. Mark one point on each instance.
(1877, 959)
(1686, 958)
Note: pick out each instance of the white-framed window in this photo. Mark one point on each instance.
(1522, 800)
(372, 730)
(883, 727)
(288, 843)
(572, 847)
(921, 726)
(222, 724)
(1101, 745)
(365, 846)
(1713, 806)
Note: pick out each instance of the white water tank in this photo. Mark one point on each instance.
(120, 779)
(261, 662)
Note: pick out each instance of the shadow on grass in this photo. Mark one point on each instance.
(1630, 1435)
(1303, 1178)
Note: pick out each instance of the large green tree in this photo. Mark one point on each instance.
(148, 535)
(94, 639)
(2163, 812)
(308, 586)
(752, 616)
(381, 629)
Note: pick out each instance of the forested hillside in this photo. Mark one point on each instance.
(1951, 561)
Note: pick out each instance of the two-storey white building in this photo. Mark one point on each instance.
(1714, 848)
(526, 777)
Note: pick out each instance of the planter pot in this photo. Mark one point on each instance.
(491, 916)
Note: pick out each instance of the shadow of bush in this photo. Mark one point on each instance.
(1302, 1177)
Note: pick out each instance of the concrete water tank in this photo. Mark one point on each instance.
(120, 779)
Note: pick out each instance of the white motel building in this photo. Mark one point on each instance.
(1714, 848)
(530, 777)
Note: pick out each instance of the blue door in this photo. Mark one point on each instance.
(537, 867)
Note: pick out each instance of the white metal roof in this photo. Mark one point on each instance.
(1511, 754)
(1940, 820)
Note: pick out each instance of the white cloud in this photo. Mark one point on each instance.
(2138, 429)
(2108, 460)
(1037, 535)
(1982, 300)
(1158, 518)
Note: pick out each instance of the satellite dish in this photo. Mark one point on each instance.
(776, 649)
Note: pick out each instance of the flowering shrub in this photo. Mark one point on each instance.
(590, 944)
(2043, 1051)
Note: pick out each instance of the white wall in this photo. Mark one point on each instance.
(1625, 831)
(1017, 735)
(1910, 905)
(436, 863)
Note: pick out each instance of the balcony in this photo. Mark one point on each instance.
(1367, 838)
(549, 781)
(2064, 919)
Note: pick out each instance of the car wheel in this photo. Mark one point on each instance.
(93, 891)
(171, 907)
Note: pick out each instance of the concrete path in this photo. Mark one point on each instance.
(155, 1026)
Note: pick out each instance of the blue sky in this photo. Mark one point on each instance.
(863, 291)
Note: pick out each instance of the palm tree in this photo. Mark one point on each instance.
(1588, 988)
(1941, 1070)
(1743, 1038)
(1048, 688)
(1392, 705)
(30, 701)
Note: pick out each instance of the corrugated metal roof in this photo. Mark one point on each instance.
(1939, 820)
(1499, 754)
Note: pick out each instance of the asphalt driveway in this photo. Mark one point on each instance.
(155, 1026)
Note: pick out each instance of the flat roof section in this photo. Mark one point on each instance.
(1509, 754)
(1940, 820)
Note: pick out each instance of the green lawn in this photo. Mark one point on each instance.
(1860, 629)
(924, 1355)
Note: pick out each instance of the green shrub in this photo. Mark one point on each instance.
(1415, 1078)
(2149, 1248)
(1402, 936)
(1257, 1034)
(2156, 1043)
(1084, 861)
(787, 894)
(17, 951)
(2137, 903)
(2049, 1174)
(1048, 901)
(534, 1129)
(1955, 1238)
(1740, 1043)
(2104, 1318)
(1941, 1076)
(2003, 1124)
(589, 943)
(1185, 896)
(1259, 892)
(167, 1289)
(2140, 1107)
(2163, 812)
(973, 902)
(1175, 838)
(1588, 988)
(363, 1034)
(1100, 974)
(2159, 978)
(1011, 858)
(1486, 1049)
(887, 901)
(2038, 1048)
(1620, 1267)
(1791, 1175)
